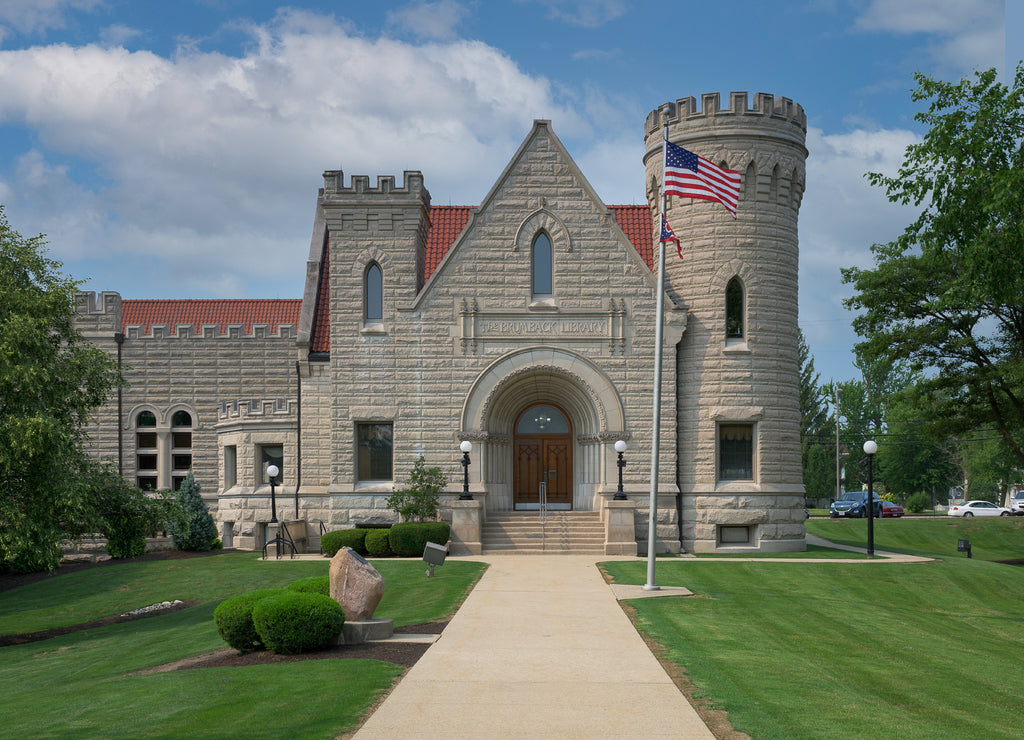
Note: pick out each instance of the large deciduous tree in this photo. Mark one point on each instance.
(947, 296)
(51, 380)
(816, 450)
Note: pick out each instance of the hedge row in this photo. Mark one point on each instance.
(405, 540)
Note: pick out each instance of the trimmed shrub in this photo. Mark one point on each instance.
(312, 585)
(409, 539)
(418, 500)
(233, 618)
(918, 502)
(291, 621)
(377, 545)
(331, 542)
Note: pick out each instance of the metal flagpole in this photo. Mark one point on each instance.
(652, 529)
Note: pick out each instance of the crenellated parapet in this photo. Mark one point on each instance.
(209, 331)
(765, 106)
(359, 188)
(256, 408)
(98, 315)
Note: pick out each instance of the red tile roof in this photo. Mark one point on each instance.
(636, 222)
(223, 312)
(446, 223)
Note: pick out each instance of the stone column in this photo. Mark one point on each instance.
(466, 525)
(619, 529)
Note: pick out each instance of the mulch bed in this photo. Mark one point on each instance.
(400, 653)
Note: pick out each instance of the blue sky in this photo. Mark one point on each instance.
(174, 149)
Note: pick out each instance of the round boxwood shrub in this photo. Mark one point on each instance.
(312, 585)
(331, 542)
(291, 621)
(409, 539)
(377, 545)
(233, 618)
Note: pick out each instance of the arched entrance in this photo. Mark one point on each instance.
(543, 457)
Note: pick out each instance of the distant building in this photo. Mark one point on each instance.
(524, 325)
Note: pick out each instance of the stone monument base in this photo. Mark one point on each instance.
(359, 631)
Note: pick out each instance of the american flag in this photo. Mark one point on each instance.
(667, 235)
(692, 176)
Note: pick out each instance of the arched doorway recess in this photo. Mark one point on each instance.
(543, 447)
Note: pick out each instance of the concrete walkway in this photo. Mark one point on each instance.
(540, 649)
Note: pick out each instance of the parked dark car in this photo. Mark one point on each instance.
(891, 509)
(852, 503)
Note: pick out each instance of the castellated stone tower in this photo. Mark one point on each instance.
(739, 468)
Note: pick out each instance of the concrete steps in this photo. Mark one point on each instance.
(521, 533)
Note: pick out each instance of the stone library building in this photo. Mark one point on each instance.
(524, 325)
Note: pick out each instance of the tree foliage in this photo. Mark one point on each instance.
(123, 513)
(817, 452)
(418, 500)
(947, 295)
(51, 381)
(193, 528)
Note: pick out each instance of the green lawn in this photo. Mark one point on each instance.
(833, 650)
(77, 685)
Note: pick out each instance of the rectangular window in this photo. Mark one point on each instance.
(373, 451)
(181, 440)
(181, 462)
(230, 466)
(146, 440)
(730, 535)
(146, 462)
(147, 482)
(271, 455)
(736, 452)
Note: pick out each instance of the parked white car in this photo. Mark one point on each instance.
(978, 508)
(1017, 504)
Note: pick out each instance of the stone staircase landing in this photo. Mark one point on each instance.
(566, 532)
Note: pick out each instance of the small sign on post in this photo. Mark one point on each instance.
(434, 554)
(964, 546)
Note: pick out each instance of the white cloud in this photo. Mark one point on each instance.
(584, 13)
(212, 161)
(429, 20)
(841, 216)
(34, 16)
(969, 33)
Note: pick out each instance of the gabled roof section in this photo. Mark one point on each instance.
(635, 222)
(221, 312)
(446, 223)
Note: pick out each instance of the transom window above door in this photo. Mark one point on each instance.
(542, 419)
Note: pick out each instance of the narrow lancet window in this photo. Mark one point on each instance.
(374, 293)
(542, 265)
(734, 309)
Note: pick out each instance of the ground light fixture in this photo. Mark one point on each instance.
(272, 472)
(466, 448)
(620, 447)
(870, 448)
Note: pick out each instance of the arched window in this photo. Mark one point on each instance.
(542, 267)
(374, 293)
(181, 447)
(734, 309)
(146, 452)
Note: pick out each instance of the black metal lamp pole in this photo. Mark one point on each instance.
(620, 447)
(272, 472)
(870, 448)
(466, 447)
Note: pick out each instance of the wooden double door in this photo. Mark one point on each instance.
(543, 459)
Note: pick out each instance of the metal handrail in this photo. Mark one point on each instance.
(543, 495)
(286, 539)
(323, 531)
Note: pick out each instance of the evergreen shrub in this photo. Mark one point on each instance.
(195, 528)
(409, 539)
(292, 621)
(418, 499)
(331, 542)
(233, 618)
(312, 585)
(918, 502)
(377, 545)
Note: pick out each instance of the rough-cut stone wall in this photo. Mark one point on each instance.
(754, 380)
(170, 369)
